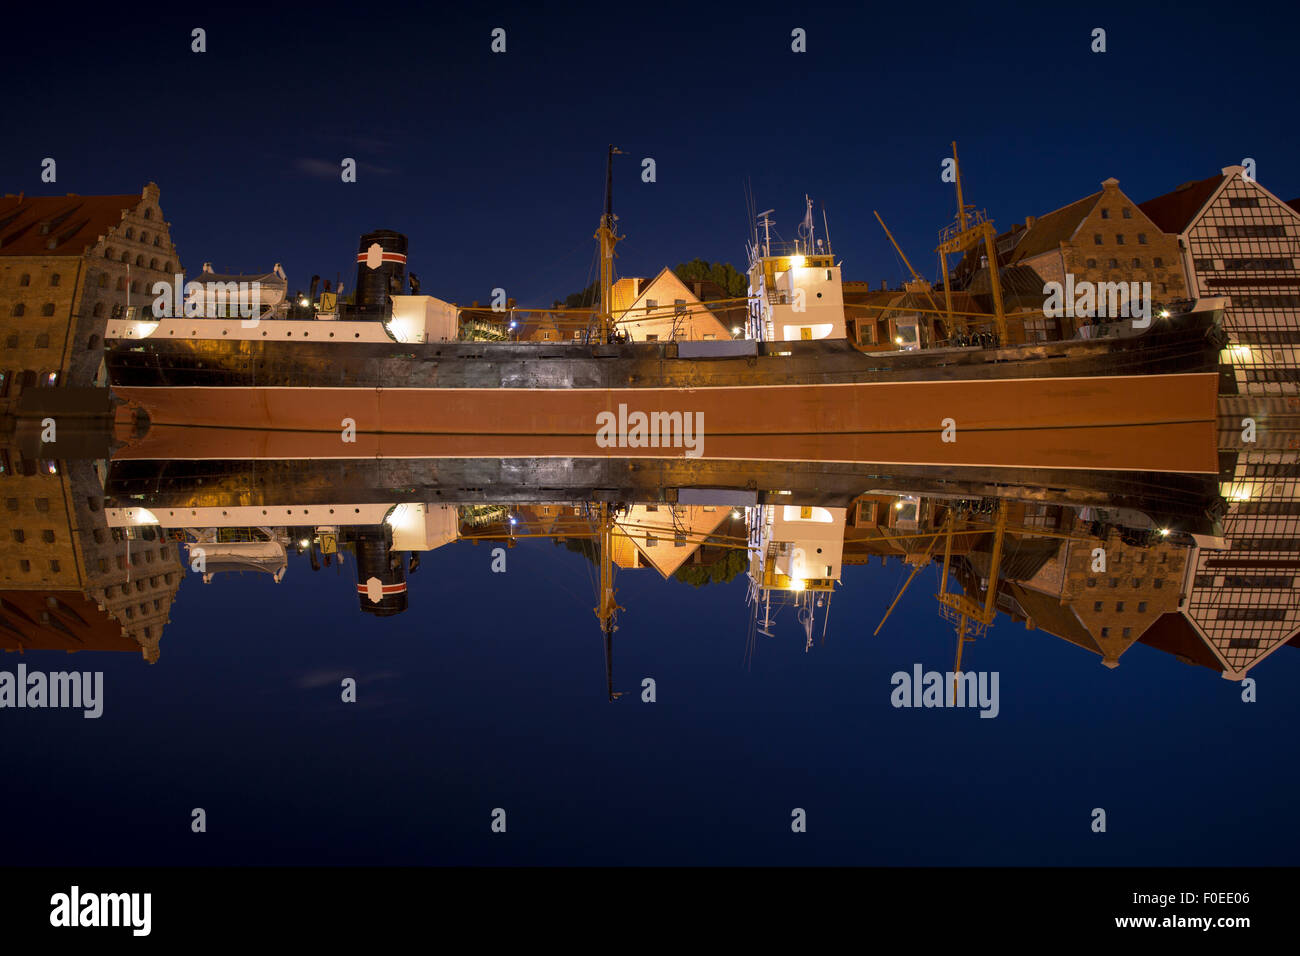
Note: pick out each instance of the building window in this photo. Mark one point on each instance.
(126, 257)
(1126, 213)
(1137, 263)
(1203, 265)
(1142, 606)
(135, 285)
(130, 233)
(1096, 605)
(43, 340)
(1092, 263)
(25, 279)
(1158, 262)
(54, 278)
(108, 252)
(1119, 605)
(19, 309)
(652, 338)
(139, 260)
(144, 236)
(98, 310)
(1112, 263)
(1105, 632)
(1092, 582)
(19, 535)
(43, 505)
(47, 536)
(1119, 238)
(1243, 202)
(1105, 214)
(651, 303)
(54, 566)
(1159, 583)
(148, 214)
(157, 240)
(24, 565)
(1142, 238)
(47, 308)
(1127, 631)
(1096, 239)
(1253, 231)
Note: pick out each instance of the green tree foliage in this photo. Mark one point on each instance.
(722, 273)
(719, 572)
(586, 299)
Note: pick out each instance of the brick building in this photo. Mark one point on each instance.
(68, 264)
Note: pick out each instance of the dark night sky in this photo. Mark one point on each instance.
(493, 164)
(488, 692)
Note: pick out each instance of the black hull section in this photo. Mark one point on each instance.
(1190, 503)
(1186, 343)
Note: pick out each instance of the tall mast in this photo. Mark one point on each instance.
(608, 606)
(607, 242)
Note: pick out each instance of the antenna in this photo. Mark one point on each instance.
(764, 221)
(826, 229)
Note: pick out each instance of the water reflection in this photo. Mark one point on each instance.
(1202, 568)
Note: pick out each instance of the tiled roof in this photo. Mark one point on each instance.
(1173, 211)
(1049, 231)
(1174, 634)
(57, 225)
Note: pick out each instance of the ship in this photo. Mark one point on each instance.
(800, 380)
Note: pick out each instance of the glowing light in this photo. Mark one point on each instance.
(142, 516)
(736, 330)
(898, 506)
(304, 303)
(1242, 350)
(1164, 313)
(142, 330)
(303, 543)
(796, 262)
(798, 584)
(898, 339)
(1164, 532)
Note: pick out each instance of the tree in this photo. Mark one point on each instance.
(723, 273)
(719, 572)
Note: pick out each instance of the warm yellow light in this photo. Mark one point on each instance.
(796, 262)
(142, 330)
(798, 584)
(1164, 532)
(898, 506)
(898, 339)
(1164, 314)
(1242, 350)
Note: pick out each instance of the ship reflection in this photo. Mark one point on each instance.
(1202, 568)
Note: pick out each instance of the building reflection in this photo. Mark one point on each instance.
(1202, 571)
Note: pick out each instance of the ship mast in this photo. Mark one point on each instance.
(608, 606)
(607, 242)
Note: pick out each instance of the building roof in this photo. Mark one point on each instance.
(1174, 211)
(58, 620)
(1174, 634)
(1294, 203)
(1049, 231)
(1048, 614)
(58, 225)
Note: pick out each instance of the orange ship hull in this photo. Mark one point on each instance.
(1141, 422)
